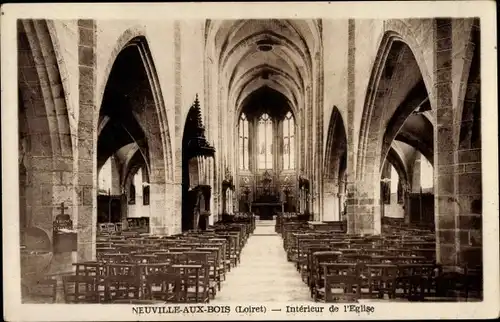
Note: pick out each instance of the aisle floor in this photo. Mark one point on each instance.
(264, 274)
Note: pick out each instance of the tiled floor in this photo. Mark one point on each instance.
(264, 274)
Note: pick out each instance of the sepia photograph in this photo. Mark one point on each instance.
(256, 163)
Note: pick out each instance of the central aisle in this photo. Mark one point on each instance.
(264, 274)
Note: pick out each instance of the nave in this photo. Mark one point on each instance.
(177, 140)
(264, 275)
(286, 260)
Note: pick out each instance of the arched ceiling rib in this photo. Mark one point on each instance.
(255, 85)
(277, 79)
(246, 51)
(271, 71)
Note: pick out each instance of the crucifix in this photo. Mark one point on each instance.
(63, 220)
(62, 208)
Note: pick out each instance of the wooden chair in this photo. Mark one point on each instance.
(194, 283)
(220, 244)
(213, 260)
(80, 289)
(163, 286)
(317, 276)
(341, 283)
(121, 269)
(310, 269)
(381, 281)
(413, 279)
(121, 287)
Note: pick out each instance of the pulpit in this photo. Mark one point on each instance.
(198, 171)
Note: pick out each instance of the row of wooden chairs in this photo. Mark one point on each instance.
(134, 267)
(343, 267)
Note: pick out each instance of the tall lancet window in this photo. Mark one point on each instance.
(265, 132)
(289, 142)
(243, 128)
(426, 174)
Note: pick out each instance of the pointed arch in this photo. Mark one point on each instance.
(336, 145)
(45, 136)
(468, 114)
(39, 65)
(136, 36)
(397, 33)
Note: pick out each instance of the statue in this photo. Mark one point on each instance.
(197, 209)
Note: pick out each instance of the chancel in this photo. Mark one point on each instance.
(325, 158)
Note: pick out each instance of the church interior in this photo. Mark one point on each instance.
(327, 160)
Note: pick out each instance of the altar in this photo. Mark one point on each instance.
(266, 210)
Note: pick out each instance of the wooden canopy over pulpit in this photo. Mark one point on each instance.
(198, 171)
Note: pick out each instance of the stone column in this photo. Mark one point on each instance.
(416, 174)
(457, 167)
(468, 180)
(444, 163)
(176, 192)
(86, 185)
(341, 198)
(330, 202)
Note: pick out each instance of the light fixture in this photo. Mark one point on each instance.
(265, 44)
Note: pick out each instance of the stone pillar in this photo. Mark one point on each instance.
(415, 188)
(341, 198)
(231, 202)
(86, 185)
(331, 202)
(176, 193)
(407, 212)
(457, 167)
(363, 208)
(173, 212)
(158, 217)
(444, 167)
(48, 186)
(351, 144)
(115, 177)
(468, 171)
(224, 202)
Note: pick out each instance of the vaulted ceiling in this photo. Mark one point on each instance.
(277, 54)
(120, 132)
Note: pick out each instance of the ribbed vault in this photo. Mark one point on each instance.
(252, 54)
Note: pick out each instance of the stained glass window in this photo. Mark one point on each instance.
(265, 140)
(289, 142)
(243, 142)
